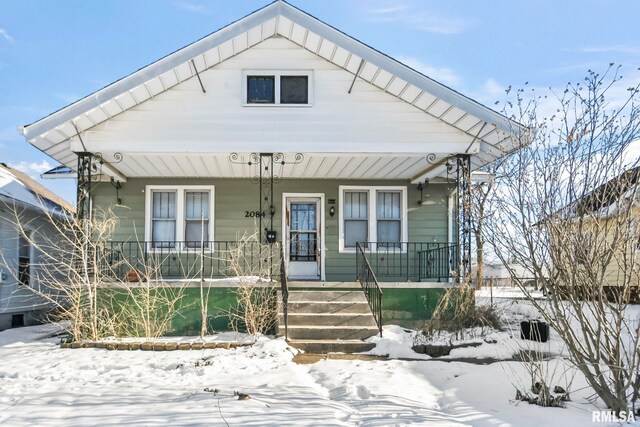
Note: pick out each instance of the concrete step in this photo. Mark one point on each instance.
(329, 319)
(329, 333)
(332, 346)
(327, 296)
(327, 307)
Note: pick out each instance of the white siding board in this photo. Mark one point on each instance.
(467, 122)
(184, 71)
(140, 94)
(340, 57)
(410, 94)
(298, 34)
(111, 108)
(96, 115)
(269, 28)
(201, 64)
(240, 43)
(313, 42)
(226, 50)
(368, 72)
(382, 79)
(125, 100)
(169, 79)
(66, 129)
(212, 56)
(254, 35)
(326, 49)
(424, 100)
(397, 86)
(353, 64)
(184, 118)
(438, 108)
(54, 137)
(453, 115)
(284, 26)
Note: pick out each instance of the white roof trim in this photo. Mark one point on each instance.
(277, 8)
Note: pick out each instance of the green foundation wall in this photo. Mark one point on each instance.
(409, 307)
(405, 307)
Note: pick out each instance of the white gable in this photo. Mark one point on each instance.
(391, 108)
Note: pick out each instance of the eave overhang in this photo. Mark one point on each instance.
(493, 134)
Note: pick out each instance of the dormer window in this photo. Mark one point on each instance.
(283, 88)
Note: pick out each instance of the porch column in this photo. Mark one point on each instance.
(463, 188)
(83, 184)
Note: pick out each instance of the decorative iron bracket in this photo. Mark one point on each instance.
(265, 177)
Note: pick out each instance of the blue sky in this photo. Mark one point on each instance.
(55, 52)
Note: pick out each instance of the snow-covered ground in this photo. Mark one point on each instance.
(45, 385)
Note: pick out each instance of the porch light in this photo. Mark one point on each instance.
(332, 211)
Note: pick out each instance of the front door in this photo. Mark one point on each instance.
(302, 238)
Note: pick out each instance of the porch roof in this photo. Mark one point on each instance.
(490, 135)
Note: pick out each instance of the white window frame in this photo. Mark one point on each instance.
(373, 215)
(277, 74)
(180, 215)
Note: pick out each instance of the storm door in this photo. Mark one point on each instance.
(303, 238)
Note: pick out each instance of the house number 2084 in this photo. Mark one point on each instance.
(254, 214)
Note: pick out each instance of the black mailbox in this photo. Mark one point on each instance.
(271, 236)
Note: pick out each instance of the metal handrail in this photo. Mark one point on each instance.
(370, 286)
(285, 293)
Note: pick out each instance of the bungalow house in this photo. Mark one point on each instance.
(27, 210)
(603, 228)
(357, 164)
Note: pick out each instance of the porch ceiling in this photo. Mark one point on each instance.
(351, 166)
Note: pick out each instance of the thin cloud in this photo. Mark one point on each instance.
(415, 15)
(191, 7)
(440, 74)
(617, 48)
(31, 168)
(5, 35)
(66, 97)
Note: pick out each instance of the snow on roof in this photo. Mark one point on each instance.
(18, 187)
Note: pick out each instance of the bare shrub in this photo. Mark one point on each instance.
(565, 210)
(253, 263)
(79, 274)
(458, 316)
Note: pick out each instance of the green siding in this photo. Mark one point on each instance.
(426, 223)
(408, 308)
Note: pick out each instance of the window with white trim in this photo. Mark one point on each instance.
(372, 214)
(277, 88)
(179, 217)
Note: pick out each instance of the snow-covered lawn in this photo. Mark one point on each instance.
(43, 384)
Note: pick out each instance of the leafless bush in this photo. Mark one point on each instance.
(253, 263)
(79, 274)
(565, 210)
(458, 316)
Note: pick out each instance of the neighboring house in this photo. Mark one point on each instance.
(27, 210)
(612, 219)
(283, 122)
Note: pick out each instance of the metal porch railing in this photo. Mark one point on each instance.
(370, 286)
(174, 259)
(410, 261)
